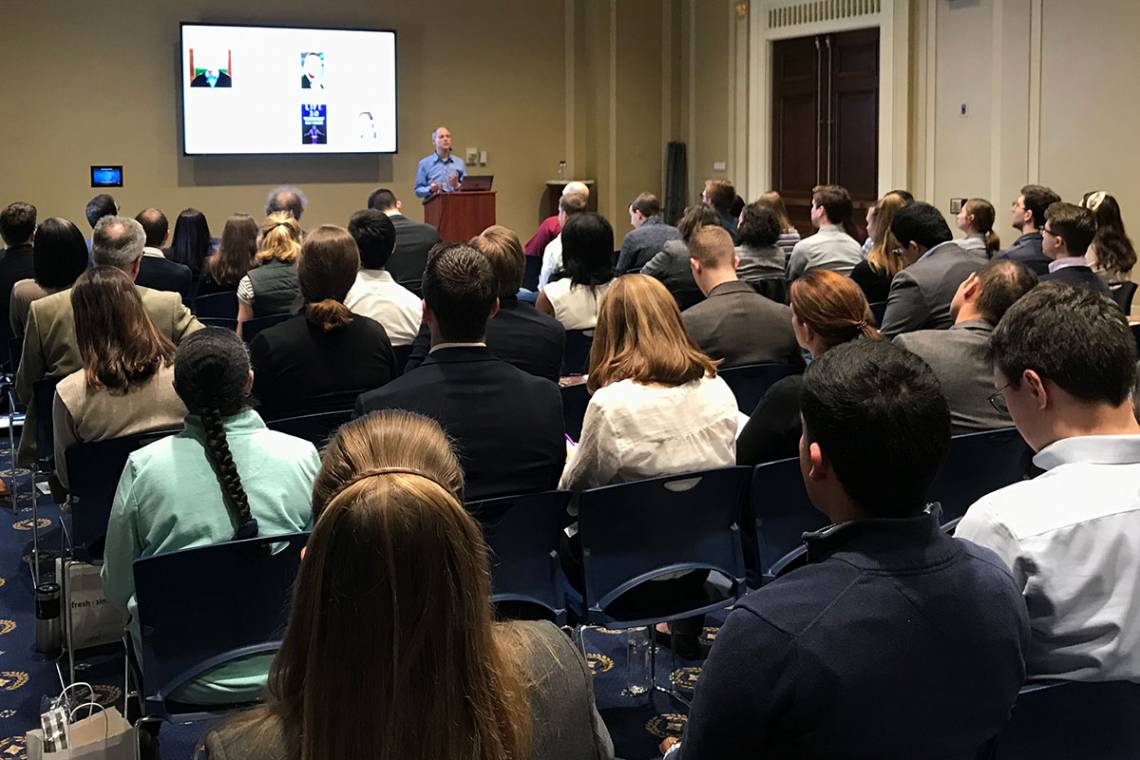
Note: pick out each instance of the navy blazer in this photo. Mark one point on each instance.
(163, 274)
(15, 265)
(1079, 275)
(1027, 249)
(413, 241)
(506, 424)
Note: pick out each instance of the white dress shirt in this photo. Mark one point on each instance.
(633, 431)
(1071, 537)
(551, 261)
(377, 295)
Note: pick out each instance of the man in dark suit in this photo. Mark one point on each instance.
(1069, 231)
(1028, 219)
(734, 322)
(507, 425)
(155, 270)
(17, 227)
(212, 78)
(920, 295)
(413, 240)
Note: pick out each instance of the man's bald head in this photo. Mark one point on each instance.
(117, 242)
(576, 188)
(155, 226)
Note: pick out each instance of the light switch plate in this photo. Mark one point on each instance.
(472, 155)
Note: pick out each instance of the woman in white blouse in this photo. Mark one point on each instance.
(575, 293)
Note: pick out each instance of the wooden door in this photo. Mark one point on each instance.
(853, 115)
(796, 124)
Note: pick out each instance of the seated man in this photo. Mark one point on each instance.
(648, 236)
(671, 266)
(17, 227)
(568, 206)
(375, 293)
(507, 424)
(734, 322)
(720, 195)
(831, 247)
(286, 198)
(958, 355)
(1028, 219)
(550, 226)
(893, 640)
(155, 270)
(518, 333)
(920, 295)
(413, 240)
(1064, 365)
(50, 347)
(1069, 231)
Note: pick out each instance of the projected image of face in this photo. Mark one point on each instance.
(366, 127)
(313, 71)
(210, 69)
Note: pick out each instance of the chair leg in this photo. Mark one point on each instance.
(35, 532)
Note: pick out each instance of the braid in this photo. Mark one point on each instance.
(218, 452)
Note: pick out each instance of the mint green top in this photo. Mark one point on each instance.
(169, 499)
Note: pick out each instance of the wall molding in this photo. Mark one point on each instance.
(930, 104)
(691, 151)
(1033, 144)
(568, 63)
(611, 181)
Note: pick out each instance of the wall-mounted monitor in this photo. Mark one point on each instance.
(106, 176)
(287, 90)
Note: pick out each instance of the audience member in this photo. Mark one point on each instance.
(271, 286)
(815, 663)
(720, 195)
(1028, 213)
(576, 290)
(830, 247)
(50, 346)
(827, 309)
(323, 358)
(873, 274)
(551, 226)
(758, 254)
(1065, 239)
(671, 266)
(98, 207)
(921, 293)
(17, 260)
(1111, 254)
(1064, 366)
(126, 385)
(413, 241)
(155, 270)
(191, 244)
(789, 235)
(568, 206)
(376, 294)
(507, 424)
(450, 681)
(958, 355)
(59, 255)
(287, 199)
(648, 236)
(976, 219)
(734, 323)
(235, 257)
(225, 476)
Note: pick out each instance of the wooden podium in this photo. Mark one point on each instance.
(460, 216)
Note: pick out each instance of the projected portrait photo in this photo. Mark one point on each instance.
(366, 128)
(314, 124)
(312, 71)
(211, 68)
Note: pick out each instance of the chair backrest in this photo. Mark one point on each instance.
(576, 352)
(43, 398)
(531, 271)
(781, 513)
(416, 286)
(251, 327)
(223, 305)
(93, 471)
(979, 463)
(749, 382)
(634, 532)
(575, 398)
(317, 429)
(878, 309)
(200, 608)
(1136, 335)
(226, 322)
(523, 535)
(773, 288)
(1123, 294)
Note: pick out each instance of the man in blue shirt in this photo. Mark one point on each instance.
(440, 172)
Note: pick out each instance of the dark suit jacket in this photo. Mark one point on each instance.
(163, 274)
(737, 324)
(518, 335)
(1079, 276)
(507, 425)
(920, 295)
(672, 267)
(15, 265)
(224, 80)
(413, 241)
(1027, 250)
(299, 369)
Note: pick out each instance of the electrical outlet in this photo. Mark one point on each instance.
(956, 205)
(962, 110)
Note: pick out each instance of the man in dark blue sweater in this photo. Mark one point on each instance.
(894, 640)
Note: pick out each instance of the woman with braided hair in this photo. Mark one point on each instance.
(395, 591)
(225, 476)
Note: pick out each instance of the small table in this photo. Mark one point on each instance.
(554, 192)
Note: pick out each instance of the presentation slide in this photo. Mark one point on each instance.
(256, 89)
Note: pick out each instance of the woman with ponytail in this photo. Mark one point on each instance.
(271, 286)
(224, 477)
(827, 309)
(1111, 254)
(323, 358)
(976, 219)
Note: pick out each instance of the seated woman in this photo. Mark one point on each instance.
(976, 219)
(574, 292)
(759, 256)
(1111, 254)
(126, 385)
(873, 274)
(789, 235)
(827, 309)
(59, 255)
(671, 265)
(326, 356)
(190, 244)
(225, 476)
(223, 270)
(271, 286)
(412, 664)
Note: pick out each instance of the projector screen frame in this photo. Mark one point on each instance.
(250, 25)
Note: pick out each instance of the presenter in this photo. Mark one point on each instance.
(440, 172)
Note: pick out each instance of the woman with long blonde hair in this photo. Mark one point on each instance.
(873, 275)
(271, 287)
(391, 650)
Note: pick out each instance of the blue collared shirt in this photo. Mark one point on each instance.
(436, 169)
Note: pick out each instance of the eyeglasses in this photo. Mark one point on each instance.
(997, 400)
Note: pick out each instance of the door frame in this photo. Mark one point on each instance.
(771, 20)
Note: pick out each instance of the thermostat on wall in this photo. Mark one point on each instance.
(106, 176)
